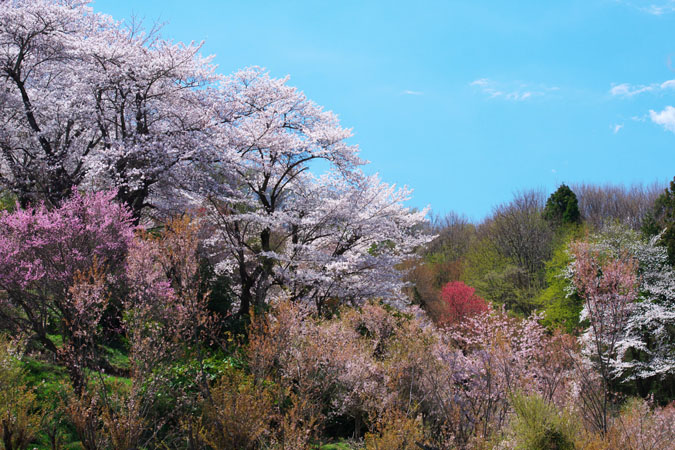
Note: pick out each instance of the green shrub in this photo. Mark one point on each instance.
(538, 425)
(238, 414)
(396, 431)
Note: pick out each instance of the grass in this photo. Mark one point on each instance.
(47, 378)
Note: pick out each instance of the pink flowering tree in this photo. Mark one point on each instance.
(57, 267)
(498, 356)
(609, 287)
(165, 310)
(165, 320)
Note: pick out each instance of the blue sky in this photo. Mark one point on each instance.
(466, 101)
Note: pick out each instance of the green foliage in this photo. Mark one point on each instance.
(182, 375)
(562, 207)
(47, 379)
(50, 385)
(662, 219)
(560, 309)
(497, 279)
(7, 201)
(117, 359)
(20, 415)
(538, 425)
(218, 288)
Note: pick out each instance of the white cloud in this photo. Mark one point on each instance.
(656, 10)
(409, 92)
(516, 92)
(665, 118)
(653, 7)
(629, 90)
(660, 9)
(518, 96)
(626, 90)
(616, 128)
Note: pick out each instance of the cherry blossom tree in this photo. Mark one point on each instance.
(649, 337)
(608, 286)
(281, 228)
(644, 348)
(87, 99)
(500, 355)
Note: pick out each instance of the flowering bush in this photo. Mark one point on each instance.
(366, 363)
(329, 362)
(461, 302)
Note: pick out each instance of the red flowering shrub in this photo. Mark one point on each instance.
(461, 302)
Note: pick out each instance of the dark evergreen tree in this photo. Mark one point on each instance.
(562, 207)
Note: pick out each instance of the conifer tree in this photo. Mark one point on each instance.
(562, 207)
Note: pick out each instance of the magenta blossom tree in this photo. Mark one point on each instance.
(56, 267)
